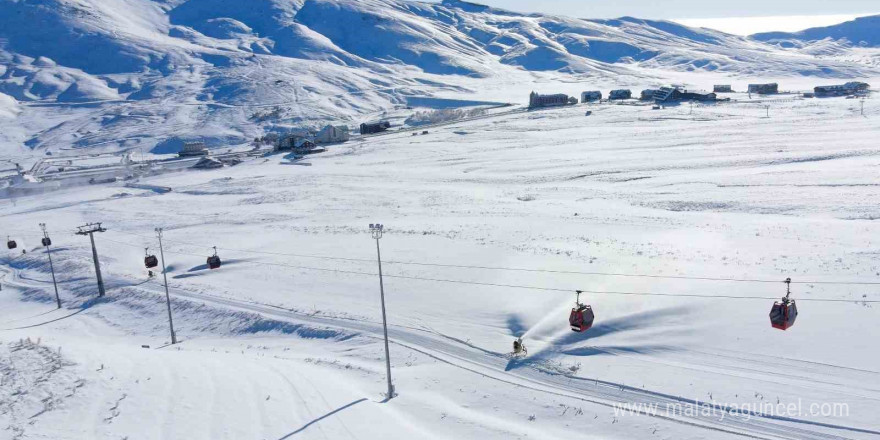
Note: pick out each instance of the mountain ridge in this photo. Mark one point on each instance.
(862, 31)
(208, 69)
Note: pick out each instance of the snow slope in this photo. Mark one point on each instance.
(859, 32)
(284, 340)
(141, 75)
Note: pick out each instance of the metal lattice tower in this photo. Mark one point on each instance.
(90, 229)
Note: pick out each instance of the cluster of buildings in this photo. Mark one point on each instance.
(676, 94)
(680, 94)
(301, 144)
(850, 88)
(663, 94)
(198, 149)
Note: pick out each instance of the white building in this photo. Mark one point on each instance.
(590, 96)
(331, 134)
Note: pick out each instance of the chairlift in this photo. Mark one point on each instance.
(10, 243)
(150, 261)
(581, 318)
(214, 260)
(784, 312)
(47, 241)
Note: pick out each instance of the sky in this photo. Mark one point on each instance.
(752, 25)
(739, 17)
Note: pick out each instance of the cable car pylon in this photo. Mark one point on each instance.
(165, 278)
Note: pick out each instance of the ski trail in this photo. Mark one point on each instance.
(534, 376)
(493, 365)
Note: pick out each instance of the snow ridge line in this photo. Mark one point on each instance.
(142, 300)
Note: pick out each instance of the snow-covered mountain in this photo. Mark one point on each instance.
(862, 31)
(147, 74)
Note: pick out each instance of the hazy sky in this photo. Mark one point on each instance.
(742, 17)
(752, 25)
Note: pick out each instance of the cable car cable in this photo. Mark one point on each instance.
(520, 269)
(517, 286)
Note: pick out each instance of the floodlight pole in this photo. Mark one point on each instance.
(51, 266)
(377, 230)
(167, 296)
(90, 229)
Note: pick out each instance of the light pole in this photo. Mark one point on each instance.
(377, 230)
(167, 296)
(48, 242)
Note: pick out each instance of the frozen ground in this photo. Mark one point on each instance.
(279, 343)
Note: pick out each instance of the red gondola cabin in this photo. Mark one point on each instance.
(783, 314)
(581, 318)
(150, 261)
(214, 260)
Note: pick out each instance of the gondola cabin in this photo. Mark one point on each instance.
(47, 241)
(581, 318)
(150, 261)
(11, 244)
(214, 260)
(783, 314)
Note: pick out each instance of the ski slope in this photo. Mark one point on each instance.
(492, 225)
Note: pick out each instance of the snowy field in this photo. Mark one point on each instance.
(491, 226)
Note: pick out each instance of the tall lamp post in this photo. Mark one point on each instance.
(377, 230)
